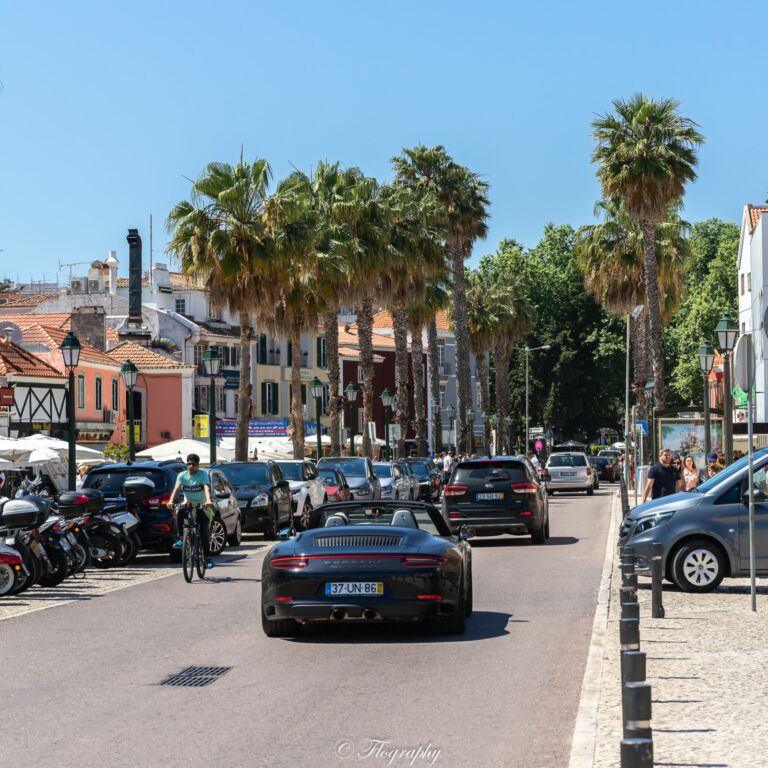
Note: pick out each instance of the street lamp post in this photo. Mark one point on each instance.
(727, 332)
(386, 400)
(351, 393)
(129, 372)
(450, 410)
(70, 351)
(650, 386)
(212, 365)
(528, 351)
(316, 390)
(706, 360)
(471, 422)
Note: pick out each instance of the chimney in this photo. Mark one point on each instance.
(89, 325)
(134, 278)
(112, 264)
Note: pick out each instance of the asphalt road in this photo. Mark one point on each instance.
(81, 680)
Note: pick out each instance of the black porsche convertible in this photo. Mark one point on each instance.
(369, 561)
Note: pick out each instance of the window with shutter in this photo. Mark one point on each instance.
(264, 410)
(290, 354)
(98, 393)
(115, 396)
(275, 399)
(321, 352)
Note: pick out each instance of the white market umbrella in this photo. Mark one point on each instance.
(14, 450)
(40, 456)
(60, 446)
(179, 449)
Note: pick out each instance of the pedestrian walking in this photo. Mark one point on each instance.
(663, 478)
(448, 463)
(691, 476)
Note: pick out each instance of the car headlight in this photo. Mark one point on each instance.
(262, 500)
(647, 523)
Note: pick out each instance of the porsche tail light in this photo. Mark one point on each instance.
(526, 513)
(456, 516)
(424, 561)
(455, 490)
(429, 597)
(283, 598)
(523, 488)
(286, 563)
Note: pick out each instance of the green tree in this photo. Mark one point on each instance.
(646, 154)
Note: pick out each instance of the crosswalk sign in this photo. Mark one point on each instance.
(642, 427)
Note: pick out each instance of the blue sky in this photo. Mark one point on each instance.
(107, 107)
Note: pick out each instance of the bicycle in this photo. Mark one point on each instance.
(192, 551)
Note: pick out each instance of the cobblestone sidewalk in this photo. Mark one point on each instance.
(707, 662)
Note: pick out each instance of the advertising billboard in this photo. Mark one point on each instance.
(686, 437)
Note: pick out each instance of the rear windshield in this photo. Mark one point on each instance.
(372, 515)
(350, 467)
(490, 471)
(328, 476)
(419, 468)
(111, 481)
(567, 460)
(245, 474)
(291, 471)
(382, 470)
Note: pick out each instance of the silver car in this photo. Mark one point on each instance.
(704, 534)
(394, 484)
(569, 472)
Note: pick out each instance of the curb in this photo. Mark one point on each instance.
(585, 728)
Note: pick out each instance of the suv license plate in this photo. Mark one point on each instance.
(364, 588)
(489, 496)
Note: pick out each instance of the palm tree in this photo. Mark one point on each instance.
(221, 236)
(436, 299)
(463, 199)
(610, 254)
(646, 154)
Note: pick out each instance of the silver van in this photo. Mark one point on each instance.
(704, 533)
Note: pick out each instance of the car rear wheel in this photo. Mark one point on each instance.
(278, 627)
(539, 535)
(456, 623)
(698, 566)
(218, 536)
(236, 536)
(590, 491)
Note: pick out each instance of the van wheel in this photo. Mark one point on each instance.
(698, 566)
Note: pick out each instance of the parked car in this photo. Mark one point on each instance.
(335, 484)
(413, 479)
(610, 453)
(306, 486)
(226, 526)
(605, 468)
(570, 472)
(426, 472)
(394, 483)
(704, 534)
(370, 561)
(593, 462)
(497, 496)
(362, 480)
(263, 495)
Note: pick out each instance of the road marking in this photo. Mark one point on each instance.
(585, 728)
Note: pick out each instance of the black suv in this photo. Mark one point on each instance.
(157, 527)
(429, 481)
(263, 494)
(496, 496)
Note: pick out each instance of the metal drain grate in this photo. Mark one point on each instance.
(196, 677)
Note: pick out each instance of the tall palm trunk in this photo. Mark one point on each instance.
(365, 338)
(400, 329)
(481, 367)
(461, 330)
(639, 362)
(650, 265)
(434, 383)
(245, 389)
(297, 413)
(417, 371)
(332, 365)
(502, 353)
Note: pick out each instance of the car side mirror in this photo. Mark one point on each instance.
(466, 532)
(283, 484)
(758, 495)
(284, 533)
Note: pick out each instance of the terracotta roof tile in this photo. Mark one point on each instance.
(380, 341)
(122, 282)
(15, 361)
(754, 215)
(209, 329)
(383, 319)
(62, 320)
(31, 301)
(355, 353)
(113, 337)
(142, 357)
(53, 338)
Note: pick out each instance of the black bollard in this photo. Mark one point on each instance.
(630, 610)
(628, 556)
(629, 580)
(629, 594)
(632, 667)
(657, 608)
(636, 706)
(629, 634)
(636, 753)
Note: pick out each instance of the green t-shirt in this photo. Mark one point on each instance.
(192, 485)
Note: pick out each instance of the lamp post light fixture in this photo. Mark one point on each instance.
(316, 390)
(650, 386)
(528, 351)
(129, 372)
(212, 365)
(727, 332)
(351, 395)
(70, 351)
(450, 411)
(706, 357)
(386, 400)
(471, 422)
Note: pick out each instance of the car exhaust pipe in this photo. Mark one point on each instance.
(337, 614)
(369, 613)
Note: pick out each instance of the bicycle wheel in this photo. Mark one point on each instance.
(201, 561)
(188, 556)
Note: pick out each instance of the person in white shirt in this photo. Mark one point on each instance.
(80, 479)
(448, 463)
(534, 459)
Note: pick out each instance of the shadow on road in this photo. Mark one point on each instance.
(482, 625)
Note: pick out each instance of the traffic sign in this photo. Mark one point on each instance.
(744, 363)
(642, 427)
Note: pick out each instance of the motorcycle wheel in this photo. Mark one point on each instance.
(7, 579)
(111, 543)
(130, 550)
(59, 566)
(85, 544)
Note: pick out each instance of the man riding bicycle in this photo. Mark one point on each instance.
(196, 486)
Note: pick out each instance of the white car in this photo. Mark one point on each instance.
(307, 487)
(569, 472)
